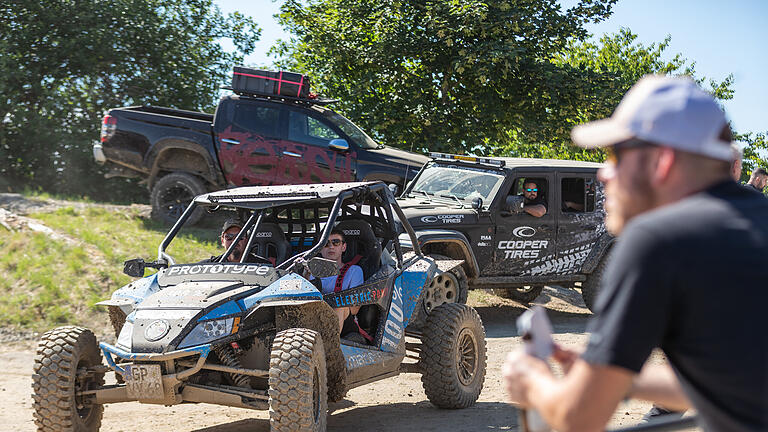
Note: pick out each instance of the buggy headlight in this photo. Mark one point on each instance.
(125, 337)
(208, 331)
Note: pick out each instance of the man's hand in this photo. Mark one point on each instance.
(517, 371)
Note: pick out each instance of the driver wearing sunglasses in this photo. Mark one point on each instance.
(229, 232)
(352, 274)
(534, 203)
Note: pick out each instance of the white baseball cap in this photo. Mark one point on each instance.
(668, 111)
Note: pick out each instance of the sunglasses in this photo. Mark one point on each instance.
(230, 237)
(614, 152)
(334, 242)
(531, 190)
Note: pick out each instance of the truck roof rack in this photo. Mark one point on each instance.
(471, 159)
(278, 98)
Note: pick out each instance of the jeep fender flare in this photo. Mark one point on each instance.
(175, 155)
(601, 247)
(450, 243)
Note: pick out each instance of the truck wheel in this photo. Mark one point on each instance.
(523, 294)
(62, 370)
(591, 286)
(447, 287)
(453, 356)
(298, 394)
(172, 194)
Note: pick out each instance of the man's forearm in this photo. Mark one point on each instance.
(658, 383)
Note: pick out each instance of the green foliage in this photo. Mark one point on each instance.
(445, 76)
(755, 152)
(63, 63)
(49, 282)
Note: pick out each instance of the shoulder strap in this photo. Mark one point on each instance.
(343, 271)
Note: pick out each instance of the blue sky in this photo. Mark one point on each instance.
(721, 37)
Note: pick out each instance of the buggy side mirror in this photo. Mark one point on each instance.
(134, 267)
(321, 267)
(514, 204)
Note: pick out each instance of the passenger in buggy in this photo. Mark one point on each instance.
(350, 275)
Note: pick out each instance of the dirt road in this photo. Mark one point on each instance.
(395, 404)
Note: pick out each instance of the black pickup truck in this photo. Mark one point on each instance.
(252, 139)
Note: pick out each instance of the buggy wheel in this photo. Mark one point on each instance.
(447, 287)
(591, 287)
(522, 294)
(63, 369)
(453, 356)
(172, 194)
(298, 393)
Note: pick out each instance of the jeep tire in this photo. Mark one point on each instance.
(523, 294)
(172, 194)
(298, 393)
(63, 367)
(591, 287)
(452, 356)
(446, 287)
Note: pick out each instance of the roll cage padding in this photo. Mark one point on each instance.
(361, 241)
(270, 242)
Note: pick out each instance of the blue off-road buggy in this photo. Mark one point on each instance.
(258, 334)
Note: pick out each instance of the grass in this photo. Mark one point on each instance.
(49, 282)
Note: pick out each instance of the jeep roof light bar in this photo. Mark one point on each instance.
(473, 159)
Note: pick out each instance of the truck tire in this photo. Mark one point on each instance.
(524, 294)
(447, 287)
(452, 356)
(591, 287)
(172, 194)
(298, 394)
(63, 367)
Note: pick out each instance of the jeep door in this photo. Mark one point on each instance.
(248, 135)
(525, 244)
(306, 155)
(580, 218)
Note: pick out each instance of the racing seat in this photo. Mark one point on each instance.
(363, 243)
(269, 242)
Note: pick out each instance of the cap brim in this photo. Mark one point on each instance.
(600, 133)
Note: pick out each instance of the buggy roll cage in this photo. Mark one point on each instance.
(359, 193)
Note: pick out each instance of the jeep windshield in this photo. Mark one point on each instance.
(457, 182)
(352, 130)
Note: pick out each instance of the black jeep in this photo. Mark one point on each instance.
(473, 209)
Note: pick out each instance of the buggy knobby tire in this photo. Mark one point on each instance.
(172, 194)
(63, 368)
(591, 287)
(452, 356)
(523, 294)
(298, 394)
(446, 287)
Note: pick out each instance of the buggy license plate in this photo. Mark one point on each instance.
(144, 381)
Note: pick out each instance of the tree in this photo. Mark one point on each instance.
(600, 73)
(63, 63)
(440, 75)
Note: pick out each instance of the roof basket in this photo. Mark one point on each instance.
(280, 85)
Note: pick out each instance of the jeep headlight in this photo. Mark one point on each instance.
(208, 331)
(124, 340)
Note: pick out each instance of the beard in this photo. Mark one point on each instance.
(630, 199)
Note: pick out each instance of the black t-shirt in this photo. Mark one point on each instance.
(691, 278)
(538, 200)
(753, 187)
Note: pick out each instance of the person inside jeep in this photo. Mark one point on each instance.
(229, 232)
(350, 275)
(534, 203)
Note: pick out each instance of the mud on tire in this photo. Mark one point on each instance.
(172, 194)
(447, 287)
(298, 395)
(61, 370)
(453, 356)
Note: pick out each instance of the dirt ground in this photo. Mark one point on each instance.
(393, 404)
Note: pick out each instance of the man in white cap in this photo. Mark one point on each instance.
(691, 239)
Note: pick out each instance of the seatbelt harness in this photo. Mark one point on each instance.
(343, 272)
